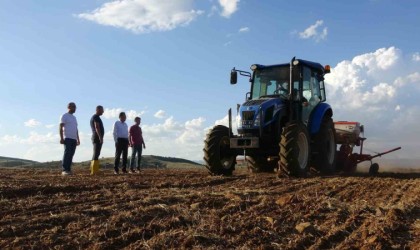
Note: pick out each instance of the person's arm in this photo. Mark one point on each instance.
(98, 131)
(61, 132)
(114, 133)
(130, 138)
(78, 139)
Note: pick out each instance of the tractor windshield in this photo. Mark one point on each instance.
(271, 81)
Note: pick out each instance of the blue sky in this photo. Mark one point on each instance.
(169, 62)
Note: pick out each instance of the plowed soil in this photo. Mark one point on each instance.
(181, 208)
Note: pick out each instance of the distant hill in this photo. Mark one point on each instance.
(171, 159)
(148, 161)
(14, 162)
(154, 161)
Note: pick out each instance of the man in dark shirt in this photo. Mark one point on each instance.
(97, 137)
(136, 142)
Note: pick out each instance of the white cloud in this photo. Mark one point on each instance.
(115, 112)
(160, 114)
(243, 30)
(32, 123)
(365, 81)
(378, 90)
(225, 122)
(314, 32)
(192, 131)
(49, 126)
(227, 43)
(43, 147)
(416, 57)
(34, 138)
(162, 130)
(9, 139)
(131, 114)
(228, 7)
(213, 10)
(112, 113)
(409, 79)
(380, 93)
(381, 59)
(144, 16)
(173, 138)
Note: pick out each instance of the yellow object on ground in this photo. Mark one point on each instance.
(94, 167)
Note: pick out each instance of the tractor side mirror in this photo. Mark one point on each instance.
(233, 76)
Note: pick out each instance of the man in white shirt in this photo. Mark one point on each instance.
(69, 136)
(120, 133)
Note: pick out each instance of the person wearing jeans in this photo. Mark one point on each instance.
(98, 132)
(69, 136)
(69, 150)
(120, 133)
(136, 142)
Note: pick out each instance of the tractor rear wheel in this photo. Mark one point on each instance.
(294, 150)
(325, 146)
(220, 159)
(259, 164)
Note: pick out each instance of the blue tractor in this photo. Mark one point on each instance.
(283, 125)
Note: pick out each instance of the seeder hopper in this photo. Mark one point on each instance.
(349, 135)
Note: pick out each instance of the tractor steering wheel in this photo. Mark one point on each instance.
(280, 88)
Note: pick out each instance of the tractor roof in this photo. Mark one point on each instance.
(314, 65)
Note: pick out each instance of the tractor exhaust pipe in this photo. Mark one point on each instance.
(230, 122)
(291, 115)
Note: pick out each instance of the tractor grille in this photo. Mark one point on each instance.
(248, 115)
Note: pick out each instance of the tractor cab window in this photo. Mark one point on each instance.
(321, 88)
(311, 92)
(270, 81)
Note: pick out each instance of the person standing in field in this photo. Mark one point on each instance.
(120, 133)
(136, 142)
(69, 136)
(97, 138)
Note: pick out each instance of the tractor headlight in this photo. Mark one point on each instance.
(257, 120)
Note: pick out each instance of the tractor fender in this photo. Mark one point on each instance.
(317, 115)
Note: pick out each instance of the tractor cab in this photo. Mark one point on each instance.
(271, 90)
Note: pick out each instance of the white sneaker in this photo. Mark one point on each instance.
(65, 173)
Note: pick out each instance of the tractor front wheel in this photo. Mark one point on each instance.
(294, 151)
(220, 159)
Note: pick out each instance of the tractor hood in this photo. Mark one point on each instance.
(260, 112)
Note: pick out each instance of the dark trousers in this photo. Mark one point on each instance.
(136, 149)
(121, 147)
(69, 150)
(97, 146)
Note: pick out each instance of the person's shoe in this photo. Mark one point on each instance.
(124, 171)
(132, 171)
(116, 172)
(65, 173)
(138, 170)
